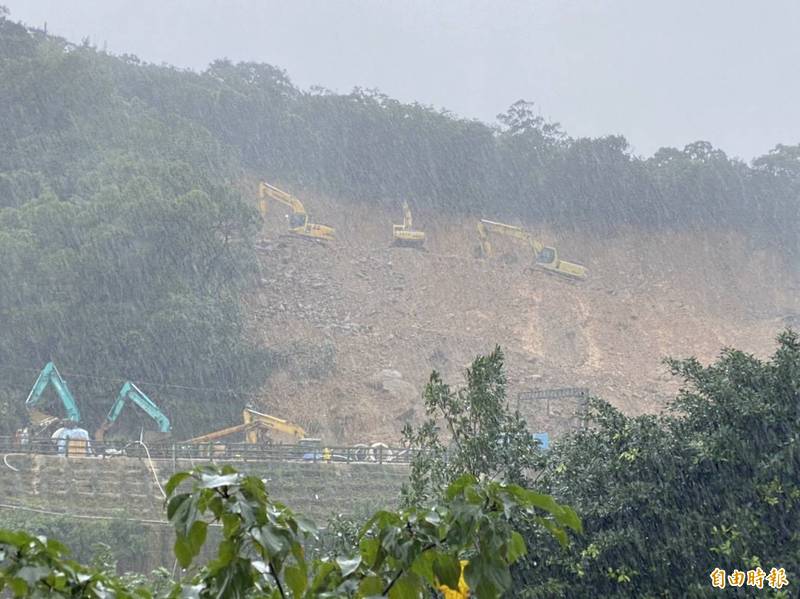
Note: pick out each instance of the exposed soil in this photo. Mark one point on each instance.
(338, 314)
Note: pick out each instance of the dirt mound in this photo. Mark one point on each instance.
(336, 315)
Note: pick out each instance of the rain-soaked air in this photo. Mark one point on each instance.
(399, 299)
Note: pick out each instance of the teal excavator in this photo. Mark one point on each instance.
(50, 376)
(132, 393)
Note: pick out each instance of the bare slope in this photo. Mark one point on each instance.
(339, 314)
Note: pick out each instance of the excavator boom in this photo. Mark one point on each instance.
(275, 424)
(50, 376)
(231, 430)
(132, 393)
(298, 221)
(257, 427)
(545, 257)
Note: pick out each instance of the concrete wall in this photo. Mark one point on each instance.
(125, 487)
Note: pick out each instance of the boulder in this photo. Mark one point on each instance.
(400, 389)
(377, 379)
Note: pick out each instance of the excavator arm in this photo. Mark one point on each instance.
(265, 190)
(545, 257)
(408, 222)
(231, 430)
(273, 423)
(132, 393)
(483, 237)
(256, 427)
(298, 220)
(50, 376)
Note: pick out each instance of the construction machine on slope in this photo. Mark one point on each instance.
(49, 375)
(545, 257)
(298, 219)
(257, 428)
(131, 393)
(405, 234)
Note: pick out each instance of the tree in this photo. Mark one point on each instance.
(470, 430)
(666, 499)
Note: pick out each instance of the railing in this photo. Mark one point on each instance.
(213, 451)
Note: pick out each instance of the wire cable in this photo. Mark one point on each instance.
(122, 380)
(25, 508)
(152, 468)
(5, 461)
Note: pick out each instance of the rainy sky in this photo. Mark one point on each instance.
(660, 73)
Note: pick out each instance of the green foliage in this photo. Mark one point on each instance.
(88, 539)
(396, 554)
(369, 147)
(126, 241)
(666, 499)
(262, 550)
(478, 434)
(32, 566)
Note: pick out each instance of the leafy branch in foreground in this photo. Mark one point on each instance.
(399, 554)
(34, 566)
(262, 553)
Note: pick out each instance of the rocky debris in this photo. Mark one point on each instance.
(379, 378)
(391, 382)
(400, 389)
(393, 317)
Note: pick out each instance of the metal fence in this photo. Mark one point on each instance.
(212, 451)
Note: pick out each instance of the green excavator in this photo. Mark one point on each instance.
(49, 375)
(132, 393)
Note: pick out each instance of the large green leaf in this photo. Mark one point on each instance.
(174, 481)
(216, 481)
(516, 547)
(183, 551)
(406, 587)
(348, 565)
(296, 579)
(447, 570)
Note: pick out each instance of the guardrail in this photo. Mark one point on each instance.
(213, 451)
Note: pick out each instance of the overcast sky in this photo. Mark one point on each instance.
(664, 72)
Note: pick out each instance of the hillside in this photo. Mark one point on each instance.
(130, 245)
(339, 314)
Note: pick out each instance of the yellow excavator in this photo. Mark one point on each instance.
(545, 257)
(257, 428)
(298, 219)
(405, 234)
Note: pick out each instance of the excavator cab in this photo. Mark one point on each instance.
(297, 221)
(547, 256)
